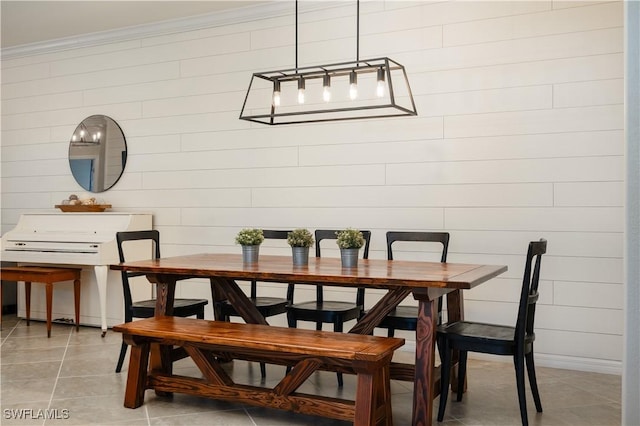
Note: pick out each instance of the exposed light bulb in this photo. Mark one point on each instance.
(276, 93)
(301, 90)
(326, 94)
(98, 135)
(326, 88)
(353, 85)
(380, 86)
(81, 134)
(73, 137)
(95, 137)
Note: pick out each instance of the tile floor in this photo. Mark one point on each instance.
(71, 376)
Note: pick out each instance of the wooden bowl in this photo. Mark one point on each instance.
(77, 208)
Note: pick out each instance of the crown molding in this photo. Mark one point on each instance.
(210, 20)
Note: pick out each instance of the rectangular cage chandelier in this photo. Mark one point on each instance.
(367, 88)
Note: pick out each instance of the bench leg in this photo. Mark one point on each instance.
(76, 299)
(137, 375)
(27, 299)
(49, 297)
(373, 399)
(384, 396)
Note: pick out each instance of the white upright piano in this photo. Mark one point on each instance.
(87, 240)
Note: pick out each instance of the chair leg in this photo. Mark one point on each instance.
(391, 332)
(531, 370)
(263, 370)
(518, 361)
(462, 373)
(337, 328)
(123, 353)
(445, 375)
(291, 320)
(293, 323)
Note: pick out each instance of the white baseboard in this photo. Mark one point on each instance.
(603, 366)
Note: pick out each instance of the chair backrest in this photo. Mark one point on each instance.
(122, 237)
(331, 234)
(269, 234)
(529, 293)
(419, 236)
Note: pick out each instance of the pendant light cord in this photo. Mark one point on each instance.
(296, 35)
(357, 32)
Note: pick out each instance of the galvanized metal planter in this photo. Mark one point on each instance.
(300, 256)
(250, 254)
(349, 257)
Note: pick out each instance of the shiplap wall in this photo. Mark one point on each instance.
(519, 136)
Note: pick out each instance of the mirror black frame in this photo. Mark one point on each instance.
(97, 153)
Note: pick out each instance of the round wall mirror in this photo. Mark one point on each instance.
(97, 153)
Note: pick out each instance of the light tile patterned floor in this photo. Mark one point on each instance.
(71, 376)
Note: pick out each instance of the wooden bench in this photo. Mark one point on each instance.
(306, 350)
(48, 276)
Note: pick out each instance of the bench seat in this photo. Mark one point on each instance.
(306, 351)
(48, 276)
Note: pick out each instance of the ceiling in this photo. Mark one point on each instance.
(25, 21)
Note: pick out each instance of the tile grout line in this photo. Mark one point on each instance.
(250, 418)
(53, 391)
(146, 413)
(10, 333)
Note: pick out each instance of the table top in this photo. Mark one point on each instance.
(375, 273)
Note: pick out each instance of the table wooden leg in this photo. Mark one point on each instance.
(376, 314)
(228, 289)
(166, 293)
(425, 355)
(455, 312)
(160, 359)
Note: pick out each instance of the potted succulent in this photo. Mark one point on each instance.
(350, 241)
(300, 240)
(250, 240)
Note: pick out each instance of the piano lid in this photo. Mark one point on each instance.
(74, 238)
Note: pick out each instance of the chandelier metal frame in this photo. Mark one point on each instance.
(383, 67)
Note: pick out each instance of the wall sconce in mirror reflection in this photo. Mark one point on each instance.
(97, 153)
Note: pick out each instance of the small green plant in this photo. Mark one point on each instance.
(250, 237)
(350, 238)
(300, 237)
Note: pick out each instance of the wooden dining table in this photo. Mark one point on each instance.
(425, 281)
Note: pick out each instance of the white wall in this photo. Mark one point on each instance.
(631, 356)
(519, 136)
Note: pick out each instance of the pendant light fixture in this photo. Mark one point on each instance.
(367, 88)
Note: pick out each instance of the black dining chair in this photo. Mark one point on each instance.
(517, 341)
(146, 308)
(267, 306)
(327, 311)
(406, 317)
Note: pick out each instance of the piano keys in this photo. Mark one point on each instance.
(80, 239)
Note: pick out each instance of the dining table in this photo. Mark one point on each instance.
(424, 281)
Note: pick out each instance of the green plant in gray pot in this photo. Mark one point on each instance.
(250, 240)
(350, 242)
(300, 240)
